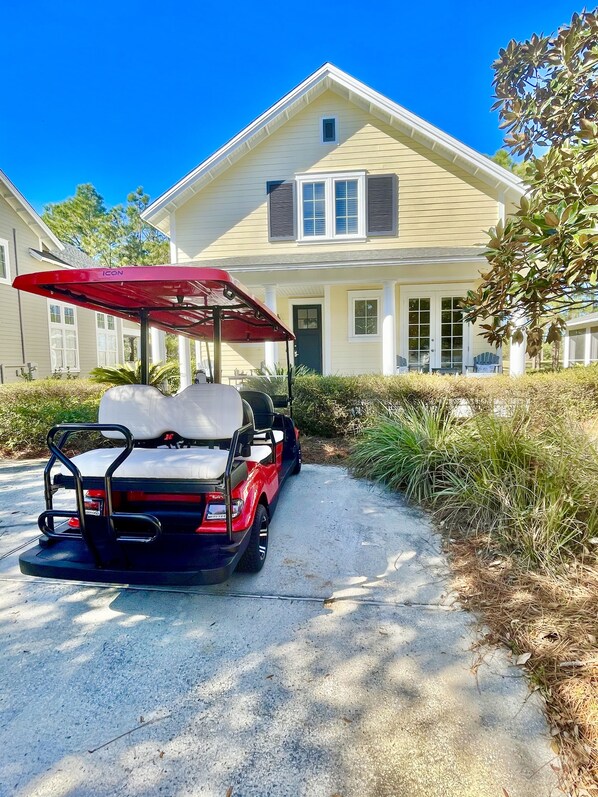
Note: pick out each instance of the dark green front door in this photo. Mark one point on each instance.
(307, 326)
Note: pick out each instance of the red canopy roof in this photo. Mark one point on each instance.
(177, 298)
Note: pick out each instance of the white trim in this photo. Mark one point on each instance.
(270, 346)
(52, 260)
(64, 327)
(330, 179)
(24, 209)
(354, 296)
(328, 76)
(309, 300)
(334, 142)
(583, 320)
(4, 244)
(356, 264)
(174, 255)
(502, 208)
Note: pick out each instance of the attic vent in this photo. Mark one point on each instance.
(329, 130)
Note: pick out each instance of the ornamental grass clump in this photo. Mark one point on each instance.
(408, 449)
(531, 489)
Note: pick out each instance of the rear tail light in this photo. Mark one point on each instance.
(94, 505)
(217, 510)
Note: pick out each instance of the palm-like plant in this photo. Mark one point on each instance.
(130, 373)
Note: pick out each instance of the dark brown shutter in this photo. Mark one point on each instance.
(382, 204)
(281, 210)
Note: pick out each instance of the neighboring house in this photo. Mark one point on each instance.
(360, 224)
(38, 336)
(580, 344)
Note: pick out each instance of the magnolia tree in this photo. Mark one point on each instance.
(544, 259)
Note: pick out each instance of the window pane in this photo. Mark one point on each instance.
(346, 213)
(3, 269)
(69, 315)
(110, 322)
(101, 320)
(577, 345)
(360, 326)
(329, 130)
(314, 209)
(55, 316)
(594, 344)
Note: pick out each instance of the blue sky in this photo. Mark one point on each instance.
(131, 93)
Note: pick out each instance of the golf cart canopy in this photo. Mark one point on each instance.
(185, 300)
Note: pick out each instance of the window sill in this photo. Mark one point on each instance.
(365, 339)
(317, 240)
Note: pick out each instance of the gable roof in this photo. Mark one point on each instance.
(68, 256)
(326, 77)
(11, 194)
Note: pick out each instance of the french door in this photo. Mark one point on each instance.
(433, 332)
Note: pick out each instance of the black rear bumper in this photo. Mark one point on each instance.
(171, 562)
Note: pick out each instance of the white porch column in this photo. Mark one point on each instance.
(327, 332)
(517, 358)
(199, 363)
(185, 361)
(389, 342)
(158, 345)
(270, 347)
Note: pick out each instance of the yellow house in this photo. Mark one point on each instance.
(359, 223)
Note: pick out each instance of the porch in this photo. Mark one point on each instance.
(349, 328)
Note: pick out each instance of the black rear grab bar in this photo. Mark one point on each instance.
(46, 519)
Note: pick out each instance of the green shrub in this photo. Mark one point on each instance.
(531, 486)
(29, 409)
(335, 406)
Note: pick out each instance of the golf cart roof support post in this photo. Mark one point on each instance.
(217, 316)
(289, 378)
(144, 346)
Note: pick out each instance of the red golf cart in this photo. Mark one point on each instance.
(184, 488)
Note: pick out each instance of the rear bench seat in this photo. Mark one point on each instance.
(200, 413)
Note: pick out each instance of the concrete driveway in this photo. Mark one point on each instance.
(344, 668)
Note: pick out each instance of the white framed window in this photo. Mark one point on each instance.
(364, 315)
(64, 346)
(107, 340)
(4, 262)
(329, 130)
(331, 207)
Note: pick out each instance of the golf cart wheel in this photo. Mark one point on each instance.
(254, 557)
(298, 461)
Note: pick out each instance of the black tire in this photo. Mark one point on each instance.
(298, 461)
(255, 554)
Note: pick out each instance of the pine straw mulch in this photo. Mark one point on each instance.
(325, 450)
(550, 623)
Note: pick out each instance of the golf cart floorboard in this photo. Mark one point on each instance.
(70, 559)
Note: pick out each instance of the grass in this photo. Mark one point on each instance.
(532, 489)
(516, 498)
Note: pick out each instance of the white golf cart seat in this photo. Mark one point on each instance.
(202, 413)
